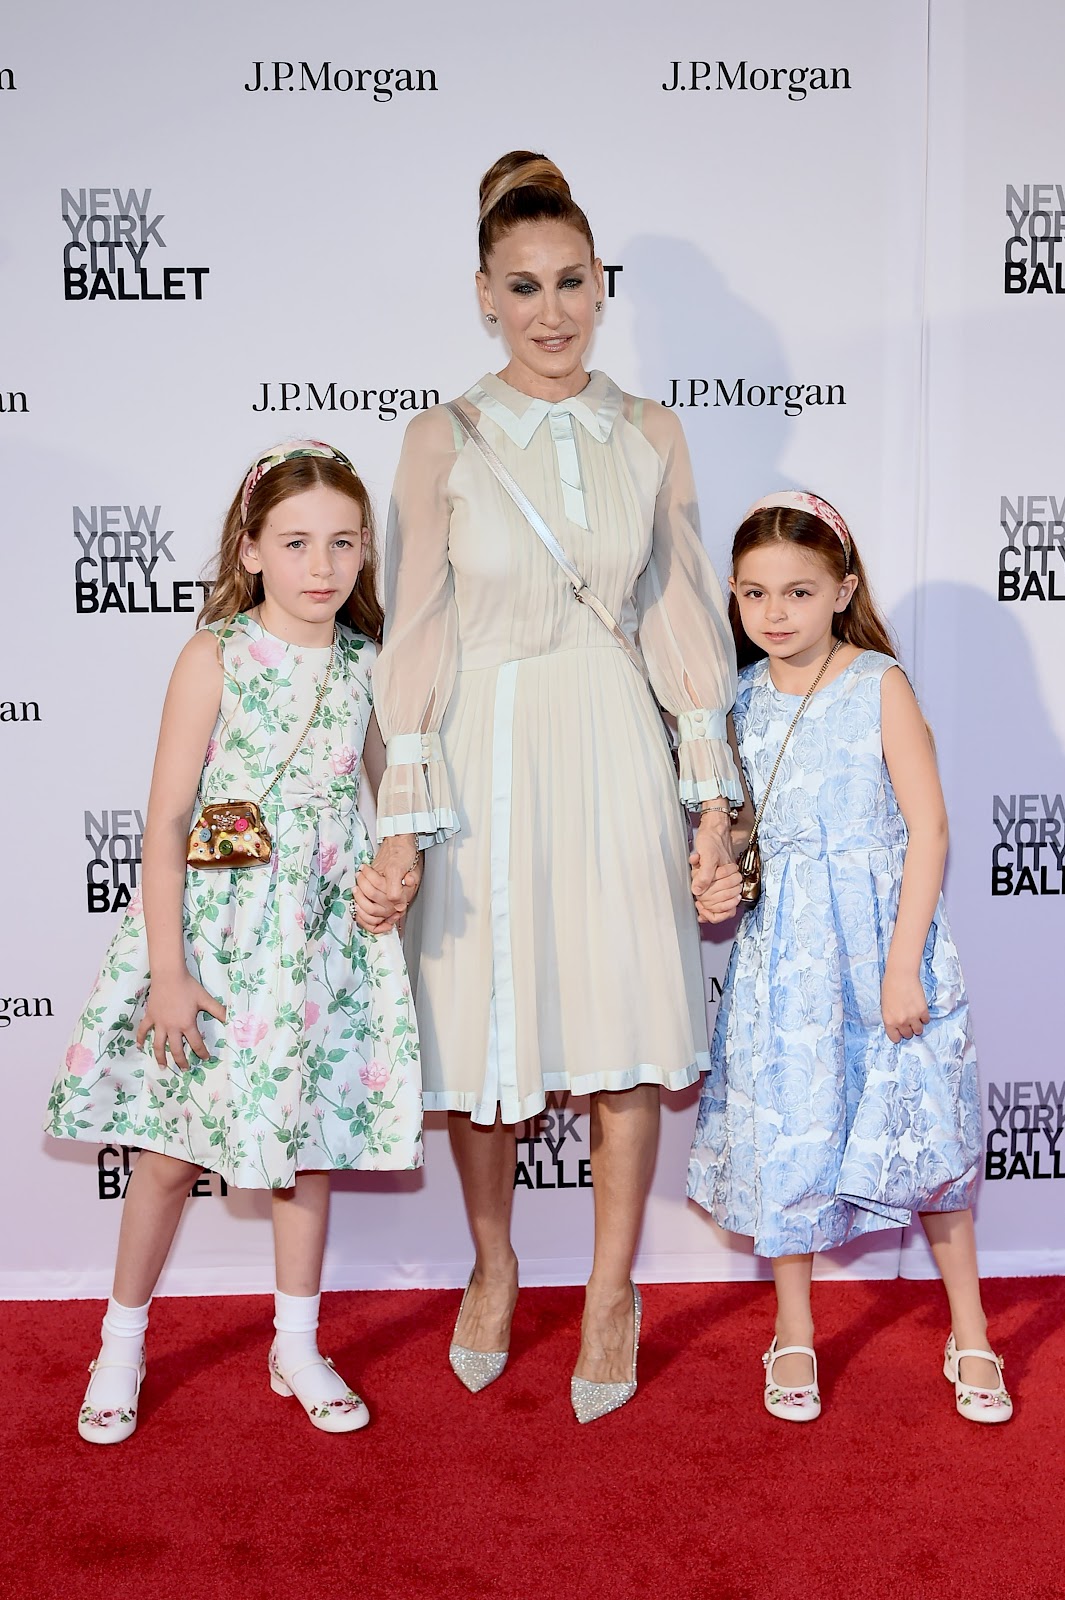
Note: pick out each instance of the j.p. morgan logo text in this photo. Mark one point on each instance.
(380, 83)
(1031, 562)
(123, 563)
(792, 398)
(1029, 854)
(795, 82)
(107, 255)
(387, 403)
(1029, 1121)
(1035, 243)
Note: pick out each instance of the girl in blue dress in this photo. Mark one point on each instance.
(842, 1094)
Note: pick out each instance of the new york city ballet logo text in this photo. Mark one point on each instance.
(380, 83)
(1035, 243)
(124, 563)
(107, 254)
(1026, 1140)
(795, 82)
(1028, 856)
(112, 872)
(114, 1168)
(543, 1139)
(1031, 562)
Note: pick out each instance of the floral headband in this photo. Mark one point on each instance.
(798, 500)
(291, 450)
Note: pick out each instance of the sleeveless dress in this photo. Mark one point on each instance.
(554, 944)
(317, 1063)
(813, 1127)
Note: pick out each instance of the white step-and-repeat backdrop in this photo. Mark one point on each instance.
(828, 244)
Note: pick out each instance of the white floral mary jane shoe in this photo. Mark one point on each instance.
(793, 1405)
(332, 1412)
(975, 1404)
(110, 1424)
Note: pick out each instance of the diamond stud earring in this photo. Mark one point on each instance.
(488, 317)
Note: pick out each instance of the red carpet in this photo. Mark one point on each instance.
(691, 1493)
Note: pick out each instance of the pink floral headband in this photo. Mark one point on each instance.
(798, 500)
(291, 450)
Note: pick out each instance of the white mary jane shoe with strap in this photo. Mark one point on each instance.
(114, 1423)
(974, 1403)
(337, 1413)
(793, 1405)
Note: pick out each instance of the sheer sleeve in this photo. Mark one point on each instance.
(684, 630)
(415, 672)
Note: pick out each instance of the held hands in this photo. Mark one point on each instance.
(170, 1015)
(721, 900)
(903, 1005)
(385, 888)
(715, 876)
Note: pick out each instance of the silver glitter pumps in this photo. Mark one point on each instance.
(475, 1368)
(592, 1400)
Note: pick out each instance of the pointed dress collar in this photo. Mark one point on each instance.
(596, 408)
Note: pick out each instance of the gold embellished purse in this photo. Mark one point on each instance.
(231, 833)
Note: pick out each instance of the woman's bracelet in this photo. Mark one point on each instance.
(724, 808)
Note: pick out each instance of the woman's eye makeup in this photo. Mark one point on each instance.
(524, 288)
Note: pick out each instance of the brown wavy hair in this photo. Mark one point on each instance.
(861, 624)
(234, 589)
(524, 186)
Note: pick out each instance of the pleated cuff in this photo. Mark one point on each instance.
(704, 758)
(415, 793)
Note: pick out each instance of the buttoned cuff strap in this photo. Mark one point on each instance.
(413, 748)
(701, 724)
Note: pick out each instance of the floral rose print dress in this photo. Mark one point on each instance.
(813, 1127)
(317, 1064)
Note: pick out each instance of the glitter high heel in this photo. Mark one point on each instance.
(475, 1368)
(593, 1400)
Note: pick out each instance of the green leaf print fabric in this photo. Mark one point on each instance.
(317, 1064)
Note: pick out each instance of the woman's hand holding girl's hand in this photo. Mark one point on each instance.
(171, 1013)
(903, 1005)
(712, 849)
(720, 901)
(381, 895)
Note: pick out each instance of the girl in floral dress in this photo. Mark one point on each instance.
(241, 1021)
(842, 1093)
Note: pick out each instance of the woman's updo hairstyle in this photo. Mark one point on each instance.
(523, 186)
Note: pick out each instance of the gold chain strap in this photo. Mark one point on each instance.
(283, 768)
(780, 756)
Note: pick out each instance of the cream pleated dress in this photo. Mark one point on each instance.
(554, 944)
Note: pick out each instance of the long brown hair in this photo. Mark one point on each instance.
(861, 624)
(235, 589)
(524, 186)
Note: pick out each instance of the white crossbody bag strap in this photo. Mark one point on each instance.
(543, 532)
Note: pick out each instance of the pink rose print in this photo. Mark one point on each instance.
(301, 917)
(249, 1030)
(136, 905)
(374, 1074)
(267, 652)
(79, 1058)
(311, 1013)
(344, 760)
(328, 858)
(212, 752)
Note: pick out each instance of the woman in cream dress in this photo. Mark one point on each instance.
(554, 945)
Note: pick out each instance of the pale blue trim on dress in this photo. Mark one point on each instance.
(500, 1091)
(559, 1082)
(702, 723)
(431, 827)
(569, 466)
(412, 749)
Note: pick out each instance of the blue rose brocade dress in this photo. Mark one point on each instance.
(814, 1128)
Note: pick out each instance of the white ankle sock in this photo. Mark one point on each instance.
(296, 1343)
(121, 1342)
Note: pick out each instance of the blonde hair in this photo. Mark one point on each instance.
(524, 186)
(234, 589)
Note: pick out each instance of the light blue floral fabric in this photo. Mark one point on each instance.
(813, 1127)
